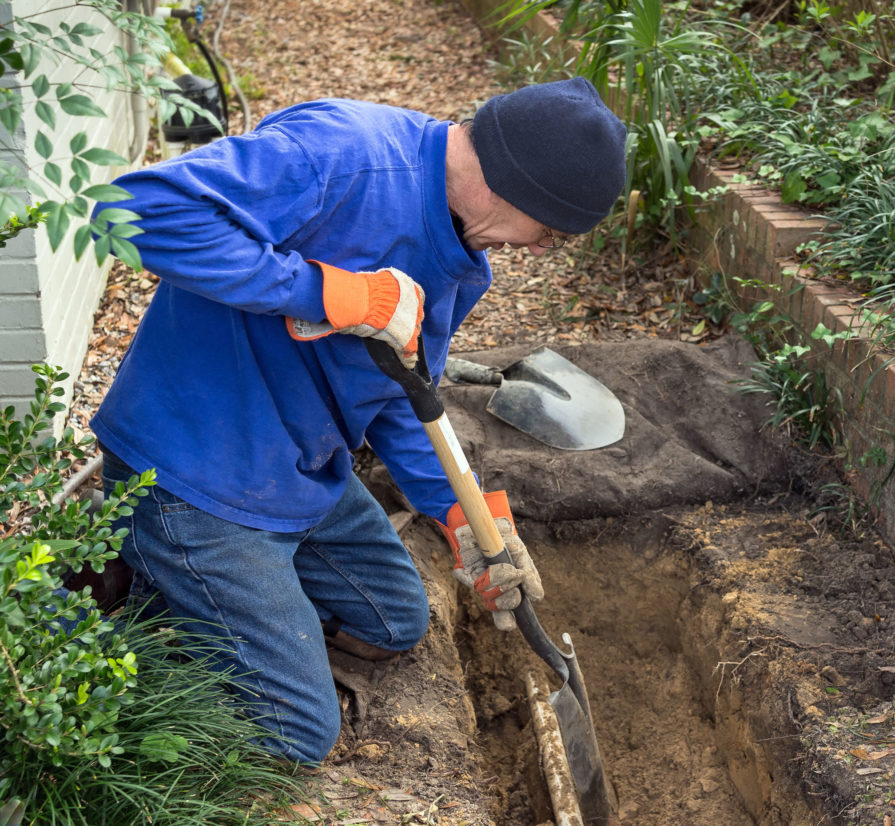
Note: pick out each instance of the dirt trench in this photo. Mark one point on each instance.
(717, 681)
(737, 652)
(675, 747)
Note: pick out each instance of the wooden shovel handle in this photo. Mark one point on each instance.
(423, 397)
(464, 485)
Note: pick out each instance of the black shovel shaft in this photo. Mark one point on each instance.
(531, 628)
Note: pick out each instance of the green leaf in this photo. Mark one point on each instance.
(80, 170)
(78, 206)
(125, 231)
(46, 113)
(43, 145)
(57, 224)
(82, 241)
(85, 30)
(828, 180)
(80, 105)
(13, 615)
(53, 173)
(101, 248)
(10, 109)
(107, 192)
(40, 86)
(30, 58)
(793, 187)
(127, 252)
(103, 157)
(116, 215)
(77, 143)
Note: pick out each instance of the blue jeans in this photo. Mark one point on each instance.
(264, 595)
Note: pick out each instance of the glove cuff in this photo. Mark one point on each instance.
(497, 503)
(346, 296)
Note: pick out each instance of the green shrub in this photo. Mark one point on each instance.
(102, 721)
(66, 673)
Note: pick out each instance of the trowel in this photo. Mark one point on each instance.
(549, 398)
(569, 702)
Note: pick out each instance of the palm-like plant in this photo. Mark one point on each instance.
(652, 62)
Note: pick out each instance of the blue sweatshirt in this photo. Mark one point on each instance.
(236, 417)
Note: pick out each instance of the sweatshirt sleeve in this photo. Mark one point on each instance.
(398, 439)
(216, 222)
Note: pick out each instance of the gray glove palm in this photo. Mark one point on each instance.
(498, 584)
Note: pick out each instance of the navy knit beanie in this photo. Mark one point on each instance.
(554, 151)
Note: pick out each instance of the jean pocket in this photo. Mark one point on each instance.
(169, 502)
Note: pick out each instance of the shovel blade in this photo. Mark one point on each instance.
(583, 755)
(556, 402)
(571, 706)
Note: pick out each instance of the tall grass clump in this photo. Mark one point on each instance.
(184, 753)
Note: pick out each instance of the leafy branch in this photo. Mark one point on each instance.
(61, 183)
(68, 670)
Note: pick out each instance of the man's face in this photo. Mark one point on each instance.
(502, 224)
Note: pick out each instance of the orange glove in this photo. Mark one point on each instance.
(498, 584)
(387, 305)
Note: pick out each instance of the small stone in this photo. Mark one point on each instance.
(832, 676)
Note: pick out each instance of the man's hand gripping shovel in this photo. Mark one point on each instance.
(569, 702)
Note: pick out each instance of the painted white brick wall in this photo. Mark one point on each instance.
(47, 299)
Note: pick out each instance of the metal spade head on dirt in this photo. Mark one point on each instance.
(549, 398)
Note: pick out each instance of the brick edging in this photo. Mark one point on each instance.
(749, 233)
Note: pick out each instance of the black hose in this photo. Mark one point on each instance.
(234, 83)
(217, 79)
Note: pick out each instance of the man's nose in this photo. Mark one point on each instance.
(536, 250)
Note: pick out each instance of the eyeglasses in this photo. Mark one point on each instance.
(551, 241)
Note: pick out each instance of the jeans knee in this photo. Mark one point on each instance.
(305, 736)
(417, 623)
(318, 745)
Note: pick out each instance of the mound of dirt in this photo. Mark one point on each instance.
(689, 435)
